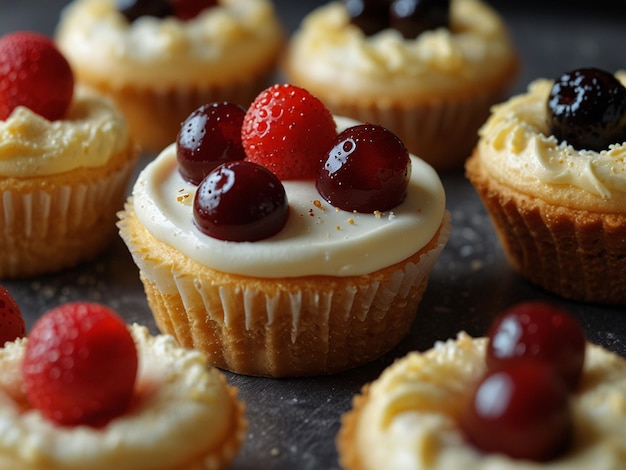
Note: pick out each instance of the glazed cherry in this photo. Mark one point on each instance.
(540, 332)
(133, 9)
(210, 136)
(367, 169)
(521, 410)
(188, 9)
(413, 17)
(587, 109)
(371, 16)
(240, 201)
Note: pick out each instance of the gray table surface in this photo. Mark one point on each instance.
(293, 422)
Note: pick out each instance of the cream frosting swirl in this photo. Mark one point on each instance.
(516, 148)
(181, 407)
(409, 421)
(89, 135)
(318, 239)
(476, 49)
(162, 52)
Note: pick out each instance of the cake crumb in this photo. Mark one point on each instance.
(317, 203)
(378, 214)
(351, 221)
(182, 195)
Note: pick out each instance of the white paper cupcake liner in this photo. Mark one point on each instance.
(305, 328)
(51, 227)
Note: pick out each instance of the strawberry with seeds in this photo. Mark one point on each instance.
(12, 324)
(80, 364)
(288, 131)
(34, 74)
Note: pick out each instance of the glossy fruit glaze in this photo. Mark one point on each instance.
(587, 109)
(367, 170)
(240, 201)
(409, 17)
(210, 136)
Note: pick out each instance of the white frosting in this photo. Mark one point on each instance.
(329, 51)
(181, 407)
(516, 147)
(91, 132)
(318, 238)
(409, 421)
(99, 41)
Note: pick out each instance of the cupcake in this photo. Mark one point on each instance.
(180, 413)
(161, 61)
(430, 77)
(418, 413)
(308, 288)
(66, 157)
(550, 171)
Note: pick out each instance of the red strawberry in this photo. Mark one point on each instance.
(288, 131)
(80, 364)
(34, 74)
(12, 324)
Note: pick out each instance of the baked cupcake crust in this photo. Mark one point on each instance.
(558, 212)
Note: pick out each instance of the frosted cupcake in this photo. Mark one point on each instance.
(160, 65)
(66, 157)
(550, 171)
(431, 78)
(316, 294)
(181, 413)
(415, 415)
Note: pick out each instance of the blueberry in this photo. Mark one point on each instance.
(587, 109)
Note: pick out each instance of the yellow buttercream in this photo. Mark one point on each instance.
(516, 148)
(334, 52)
(91, 132)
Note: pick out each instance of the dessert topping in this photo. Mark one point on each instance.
(413, 17)
(240, 201)
(80, 364)
(12, 324)
(409, 17)
(521, 410)
(211, 135)
(521, 405)
(181, 9)
(367, 170)
(538, 331)
(288, 130)
(587, 109)
(371, 16)
(34, 74)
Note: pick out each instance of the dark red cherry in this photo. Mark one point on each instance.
(538, 331)
(522, 411)
(240, 201)
(371, 16)
(133, 9)
(413, 17)
(587, 109)
(188, 9)
(367, 169)
(210, 136)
